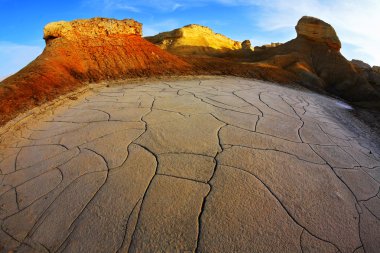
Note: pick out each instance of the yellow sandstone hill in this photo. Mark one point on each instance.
(195, 40)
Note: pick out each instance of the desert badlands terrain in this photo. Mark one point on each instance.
(215, 147)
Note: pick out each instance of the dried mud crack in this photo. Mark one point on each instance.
(211, 165)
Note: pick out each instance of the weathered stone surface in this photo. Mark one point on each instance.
(311, 244)
(169, 216)
(369, 230)
(114, 155)
(183, 136)
(318, 30)
(335, 156)
(188, 166)
(282, 127)
(8, 204)
(255, 222)
(239, 137)
(102, 226)
(29, 156)
(210, 165)
(234, 118)
(182, 104)
(360, 183)
(95, 27)
(194, 39)
(313, 134)
(373, 205)
(286, 175)
(59, 221)
(27, 193)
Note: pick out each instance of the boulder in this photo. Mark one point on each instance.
(361, 65)
(246, 45)
(319, 31)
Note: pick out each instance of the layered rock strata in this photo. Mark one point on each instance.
(84, 51)
(195, 40)
(314, 56)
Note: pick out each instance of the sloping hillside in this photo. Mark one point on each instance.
(84, 51)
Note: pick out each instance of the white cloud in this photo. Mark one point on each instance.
(15, 56)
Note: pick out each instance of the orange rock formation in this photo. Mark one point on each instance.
(84, 51)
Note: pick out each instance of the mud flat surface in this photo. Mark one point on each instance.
(209, 165)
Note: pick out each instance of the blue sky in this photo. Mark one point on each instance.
(261, 21)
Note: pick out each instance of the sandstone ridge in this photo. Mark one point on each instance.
(93, 27)
(194, 40)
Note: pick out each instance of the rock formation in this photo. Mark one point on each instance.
(319, 31)
(101, 49)
(84, 51)
(315, 58)
(371, 74)
(246, 45)
(94, 28)
(195, 40)
(266, 46)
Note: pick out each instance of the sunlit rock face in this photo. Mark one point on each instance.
(95, 27)
(195, 40)
(318, 31)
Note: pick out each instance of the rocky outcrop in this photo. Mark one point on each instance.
(371, 74)
(84, 51)
(266, 46)
(319, 31)
(95, 28)
(246, 45)
(315, 58)
(195, 40)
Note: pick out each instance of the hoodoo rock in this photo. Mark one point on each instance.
(84, 51)
(195, 40)
(315, 58)
(246, 45)
(319, 31)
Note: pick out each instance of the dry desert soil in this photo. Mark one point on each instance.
(217, 164)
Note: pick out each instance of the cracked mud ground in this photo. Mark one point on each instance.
(213, 165)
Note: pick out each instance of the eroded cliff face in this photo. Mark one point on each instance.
(93, 28)
(83, 51)
(314, 56)
(195, 40)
